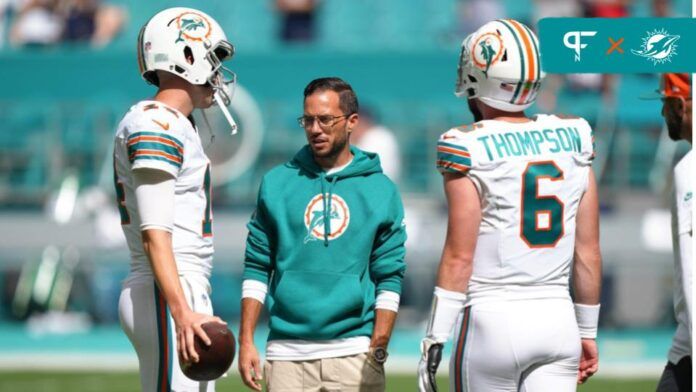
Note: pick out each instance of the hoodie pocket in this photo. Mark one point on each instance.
(317, 305)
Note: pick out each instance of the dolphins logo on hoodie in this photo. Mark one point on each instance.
(659, 46)
(338, 217)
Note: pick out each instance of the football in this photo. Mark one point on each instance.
(213, 360)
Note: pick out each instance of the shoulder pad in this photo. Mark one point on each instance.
(468, 127)
(564, 116)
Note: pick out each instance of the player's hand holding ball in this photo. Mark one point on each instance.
(199, 335)
(214, 359)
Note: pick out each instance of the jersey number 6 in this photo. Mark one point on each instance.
(542, 216)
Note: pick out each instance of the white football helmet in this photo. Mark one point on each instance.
(190, 44)
(500, 64)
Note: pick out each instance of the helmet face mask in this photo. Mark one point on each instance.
(500, 65)
(191, 45)
(222, 79)
(224, 82)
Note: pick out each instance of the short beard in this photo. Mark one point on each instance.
(336, 149)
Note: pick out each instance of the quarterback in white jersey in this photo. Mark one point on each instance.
(162, 179)
(523, 218)
(154, 136)
(676, 109)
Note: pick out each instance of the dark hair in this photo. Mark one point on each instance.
(348, 101)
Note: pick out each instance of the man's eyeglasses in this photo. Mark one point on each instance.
(325, 121)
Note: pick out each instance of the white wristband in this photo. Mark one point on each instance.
(587, 317)
(444, 312)
(387, 300)
(254, 289)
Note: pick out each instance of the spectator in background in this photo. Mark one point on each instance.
(37, 23)
(556, 9)
(474, 13)
(661, 8)
(373, 137)
(606, 8)
(48, 22)
(297, 20)
(5, 12)
(91, 21)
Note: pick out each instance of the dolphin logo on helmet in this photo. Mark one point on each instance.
(190, 44)
(189, 25)
(500, 64)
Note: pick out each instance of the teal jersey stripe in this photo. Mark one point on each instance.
(450, 145)
(461, 348)
(155, 146)
(594, 151)
(157, 158)
(170, 348)
(157, 134)
(519, 47)
(162, 334)
(459, 160)
(450, 169)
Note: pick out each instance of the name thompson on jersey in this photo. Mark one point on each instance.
(535, 142)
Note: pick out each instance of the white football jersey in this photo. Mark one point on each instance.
(154, 136)
(682, 231)
(530, 178)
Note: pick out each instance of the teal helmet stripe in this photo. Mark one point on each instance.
(537, 83)
(522, 62)
(141, 50)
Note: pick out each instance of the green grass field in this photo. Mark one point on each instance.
(117, 382)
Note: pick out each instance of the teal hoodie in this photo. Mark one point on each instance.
(324, 258)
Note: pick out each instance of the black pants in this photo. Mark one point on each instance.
(676, 378)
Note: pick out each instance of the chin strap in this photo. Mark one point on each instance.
(221, 104)
(210, 128)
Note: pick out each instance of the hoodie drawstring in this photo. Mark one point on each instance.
(323, 206)
(327, 206)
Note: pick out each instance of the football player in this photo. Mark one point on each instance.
(523, 218)
(676, 109)
(162, 179)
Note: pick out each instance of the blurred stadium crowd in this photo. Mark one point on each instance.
(70, 73)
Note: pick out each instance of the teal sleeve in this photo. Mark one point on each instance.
(387, 264)
(258, 256)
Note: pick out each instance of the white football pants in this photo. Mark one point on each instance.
(146, 319)
(523, 345)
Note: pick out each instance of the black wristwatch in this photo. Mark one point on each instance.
(379, 354)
